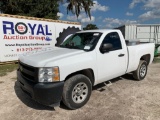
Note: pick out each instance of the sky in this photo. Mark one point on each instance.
(114, 13)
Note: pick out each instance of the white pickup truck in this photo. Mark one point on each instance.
(68, 72)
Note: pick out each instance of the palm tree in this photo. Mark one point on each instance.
(76, 6)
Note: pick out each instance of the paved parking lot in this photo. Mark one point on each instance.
(124, 99)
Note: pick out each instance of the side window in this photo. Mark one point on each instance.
(114, 39)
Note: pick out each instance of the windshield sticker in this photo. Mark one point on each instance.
(87, 47)
(95, 34)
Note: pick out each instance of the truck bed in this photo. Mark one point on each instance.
(136, 51)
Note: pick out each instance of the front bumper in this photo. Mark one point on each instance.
(45, 93)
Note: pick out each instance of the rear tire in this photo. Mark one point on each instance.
(141, 71)
(76, 91)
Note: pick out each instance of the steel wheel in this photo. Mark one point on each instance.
(80, 92)
(143, 70)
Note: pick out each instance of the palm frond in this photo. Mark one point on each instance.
(76, 6)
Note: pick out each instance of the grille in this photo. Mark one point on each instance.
(28, 72)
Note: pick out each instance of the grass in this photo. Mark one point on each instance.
(4, 69)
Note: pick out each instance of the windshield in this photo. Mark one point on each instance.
(83, 41)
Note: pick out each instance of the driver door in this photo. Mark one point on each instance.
(113, 63)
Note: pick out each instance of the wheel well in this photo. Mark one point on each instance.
(87, 72)
(146, 58)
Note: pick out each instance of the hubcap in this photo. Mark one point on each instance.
(143, 70)
(80, 92)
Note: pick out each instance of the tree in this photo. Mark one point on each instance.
(34, 8)
(43, 8)
(76, 6)
(90, 27)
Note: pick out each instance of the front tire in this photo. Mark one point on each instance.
(76, 91)
(141, 71)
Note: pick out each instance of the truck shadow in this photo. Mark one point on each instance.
(28, 101)
(128, 76)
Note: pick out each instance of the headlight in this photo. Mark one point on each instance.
(49, 74)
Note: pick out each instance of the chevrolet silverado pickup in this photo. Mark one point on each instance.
(69, 71)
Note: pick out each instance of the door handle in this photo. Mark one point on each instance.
(121, 55)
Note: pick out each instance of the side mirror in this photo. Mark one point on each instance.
(106, 48)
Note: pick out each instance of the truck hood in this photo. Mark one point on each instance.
(41, 57)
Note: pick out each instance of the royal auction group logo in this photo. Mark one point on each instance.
(26, 31)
